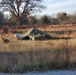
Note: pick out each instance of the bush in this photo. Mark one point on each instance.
(5, 30)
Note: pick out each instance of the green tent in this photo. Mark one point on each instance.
(34, 34)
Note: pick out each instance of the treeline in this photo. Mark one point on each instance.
(61, 18)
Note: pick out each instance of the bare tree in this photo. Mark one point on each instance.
(21, 8)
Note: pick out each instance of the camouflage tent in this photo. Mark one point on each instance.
(34, 34)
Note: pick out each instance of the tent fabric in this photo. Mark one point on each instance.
(34, 34)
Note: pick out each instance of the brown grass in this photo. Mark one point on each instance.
(21, 56)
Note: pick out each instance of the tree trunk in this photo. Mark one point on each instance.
(19, 21)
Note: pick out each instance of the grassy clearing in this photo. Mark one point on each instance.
(21, 56)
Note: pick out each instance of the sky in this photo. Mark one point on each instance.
(55, 6)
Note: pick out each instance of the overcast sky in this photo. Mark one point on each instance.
(55, 6)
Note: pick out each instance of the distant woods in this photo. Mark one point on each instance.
(21, 10)
(61, 18)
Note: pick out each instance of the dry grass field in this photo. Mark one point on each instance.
(20, 55)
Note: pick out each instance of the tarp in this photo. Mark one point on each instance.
(34, 34)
